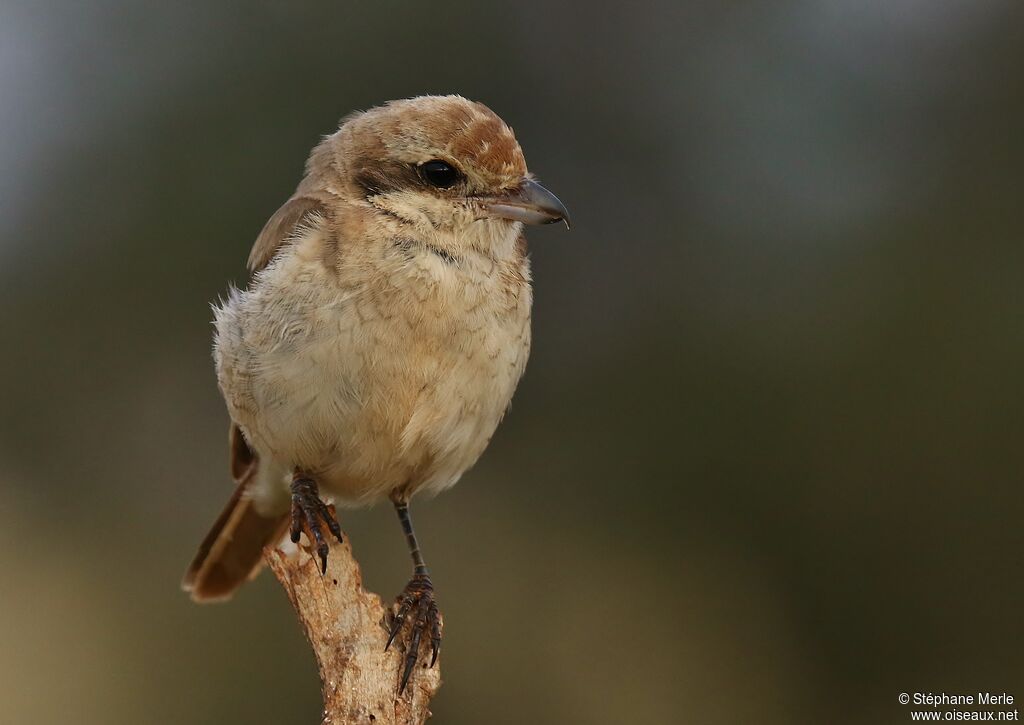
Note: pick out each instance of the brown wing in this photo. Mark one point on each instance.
(281, 227)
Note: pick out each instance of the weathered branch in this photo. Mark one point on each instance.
(345, 624)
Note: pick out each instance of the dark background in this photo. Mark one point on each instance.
(765, 465)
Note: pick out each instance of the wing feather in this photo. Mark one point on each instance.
(281, 227)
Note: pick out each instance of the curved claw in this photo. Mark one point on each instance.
(435, 633)
(417, 599)
(309, 510)
(332, 523)
(413, 652)
(399, 620)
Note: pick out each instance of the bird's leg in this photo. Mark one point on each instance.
(309, 511)
(415, 604)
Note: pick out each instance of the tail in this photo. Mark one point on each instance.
(232, 553)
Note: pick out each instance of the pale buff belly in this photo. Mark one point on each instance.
(370, 391)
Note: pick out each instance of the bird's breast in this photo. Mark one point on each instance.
(386, 373)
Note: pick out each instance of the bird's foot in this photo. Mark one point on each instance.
(311, 513)
(416, 604)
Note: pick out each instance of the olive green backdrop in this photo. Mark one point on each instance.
(765, 465)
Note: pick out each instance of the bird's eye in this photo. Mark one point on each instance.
(439, 173)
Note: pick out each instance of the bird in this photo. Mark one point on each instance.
(379, 340)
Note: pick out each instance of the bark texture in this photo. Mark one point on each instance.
(346, 626)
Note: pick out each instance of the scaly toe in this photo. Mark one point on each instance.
(416, 606)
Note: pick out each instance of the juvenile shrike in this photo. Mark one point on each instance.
(380, 338)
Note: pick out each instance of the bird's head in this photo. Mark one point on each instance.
(443, 169)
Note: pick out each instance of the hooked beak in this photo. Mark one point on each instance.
(530, 203)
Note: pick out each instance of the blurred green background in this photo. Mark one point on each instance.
(765, 465)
